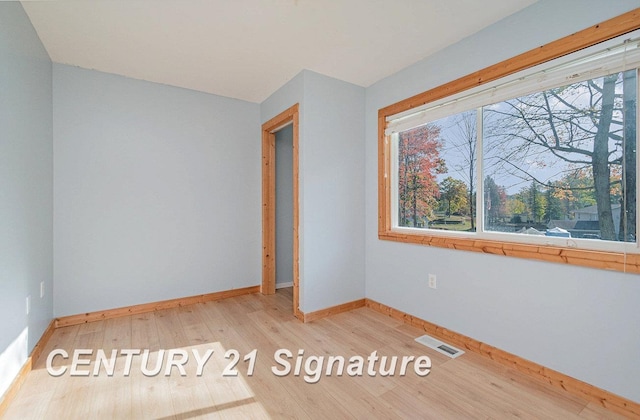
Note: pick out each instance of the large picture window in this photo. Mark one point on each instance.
(543, 159)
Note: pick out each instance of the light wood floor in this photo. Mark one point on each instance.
(467, 387)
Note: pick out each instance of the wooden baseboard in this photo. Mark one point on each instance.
(44, 339)
(13, 389)
(333, 310)
(66, 321)
(574, 386)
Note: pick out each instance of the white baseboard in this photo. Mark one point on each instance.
(283, 285)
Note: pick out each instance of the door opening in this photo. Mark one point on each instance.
(269, 207)
(284, 207)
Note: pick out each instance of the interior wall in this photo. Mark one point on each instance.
(157, 192)
(331, 137)
(284, 206)
(579, 321)
(333, 192)
(26, 189)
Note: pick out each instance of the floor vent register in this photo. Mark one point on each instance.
(439, 346)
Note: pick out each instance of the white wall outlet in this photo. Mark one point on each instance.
(41, 289)
(28, 304)
(432, 281)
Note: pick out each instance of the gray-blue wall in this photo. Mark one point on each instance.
(333, 194)
(26, 189)
(331, 137)
(582, 322)
(157, 192)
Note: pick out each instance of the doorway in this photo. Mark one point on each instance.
(269, 204)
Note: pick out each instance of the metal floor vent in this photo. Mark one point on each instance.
(439, 346)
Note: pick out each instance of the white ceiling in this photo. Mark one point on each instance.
(247, 49)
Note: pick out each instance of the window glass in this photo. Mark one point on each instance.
(436, 174)
(562, 162)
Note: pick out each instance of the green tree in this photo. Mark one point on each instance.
(495, 201)
(453, 192)
(515, 206)
(537, 202)
(575, 190)
(553, 208)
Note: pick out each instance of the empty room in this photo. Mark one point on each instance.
(319, 209)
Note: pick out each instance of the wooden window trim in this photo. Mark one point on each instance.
(593, 35)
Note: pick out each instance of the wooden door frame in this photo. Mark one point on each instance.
(269, 128)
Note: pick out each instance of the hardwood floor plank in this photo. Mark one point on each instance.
(223, 394)
(467, 387)
(271, 395)
(150, 396)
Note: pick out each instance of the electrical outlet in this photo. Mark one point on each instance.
(28, 304)
(432, 281)
(41, 289)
